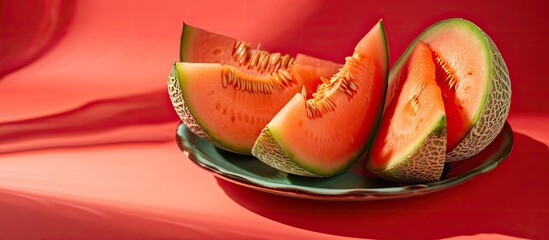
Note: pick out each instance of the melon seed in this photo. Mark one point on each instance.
(352, 85)
(286, 74)
(237, 47)
(224, 79)
(291, 62)
(445, 73)
(275, 58)
(253, 61)
(285, 60)
(414, 103)
(264, 63)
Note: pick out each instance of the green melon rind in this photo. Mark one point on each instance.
(275, 154)
(272, 152)
(267, 150)
(424, 163)
(186, 34)
(496, 101)
(184, 112)
(494, 112)
(383, 98)
(176, 96)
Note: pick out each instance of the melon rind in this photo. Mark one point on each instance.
(424, 163)
(185, 35)
(182, 110)
(267, 150)
(494, 112)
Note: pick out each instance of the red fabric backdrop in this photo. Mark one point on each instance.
(86, 126)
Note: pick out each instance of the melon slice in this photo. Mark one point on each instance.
(201, 46)
(410, 145)
(474, 81)
(323, 135)
(232, 90)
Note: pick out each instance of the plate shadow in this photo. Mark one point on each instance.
(496, 202)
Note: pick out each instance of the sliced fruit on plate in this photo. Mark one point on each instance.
(201, 46)
(323, 135)
(410, 145)
(230, 98)
(474, 81)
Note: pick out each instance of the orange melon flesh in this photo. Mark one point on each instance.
(462, 47)
(326, 145)
(415, 112)
(230, 116)
(198, 45)
(469, 60)
(310, 69)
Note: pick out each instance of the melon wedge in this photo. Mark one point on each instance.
(474, 81)
(228, 90)
(410, 145)
(322, 136)
(201, 46)
(229, 107)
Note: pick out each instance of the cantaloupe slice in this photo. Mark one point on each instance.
(202, 46)
(410, 145)
(323, 135)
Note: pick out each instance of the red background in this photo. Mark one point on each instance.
(87, 130)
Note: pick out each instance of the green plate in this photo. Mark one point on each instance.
(354, 184)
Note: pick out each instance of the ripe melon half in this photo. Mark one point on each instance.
(474, 81)
(228, 92)
(410, 144)
(323, 135)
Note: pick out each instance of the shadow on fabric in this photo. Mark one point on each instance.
(97, 117)
(495, 202)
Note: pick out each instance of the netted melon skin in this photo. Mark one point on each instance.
(494, 112)
(423, 166)
(176, 96)
(267, 150)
